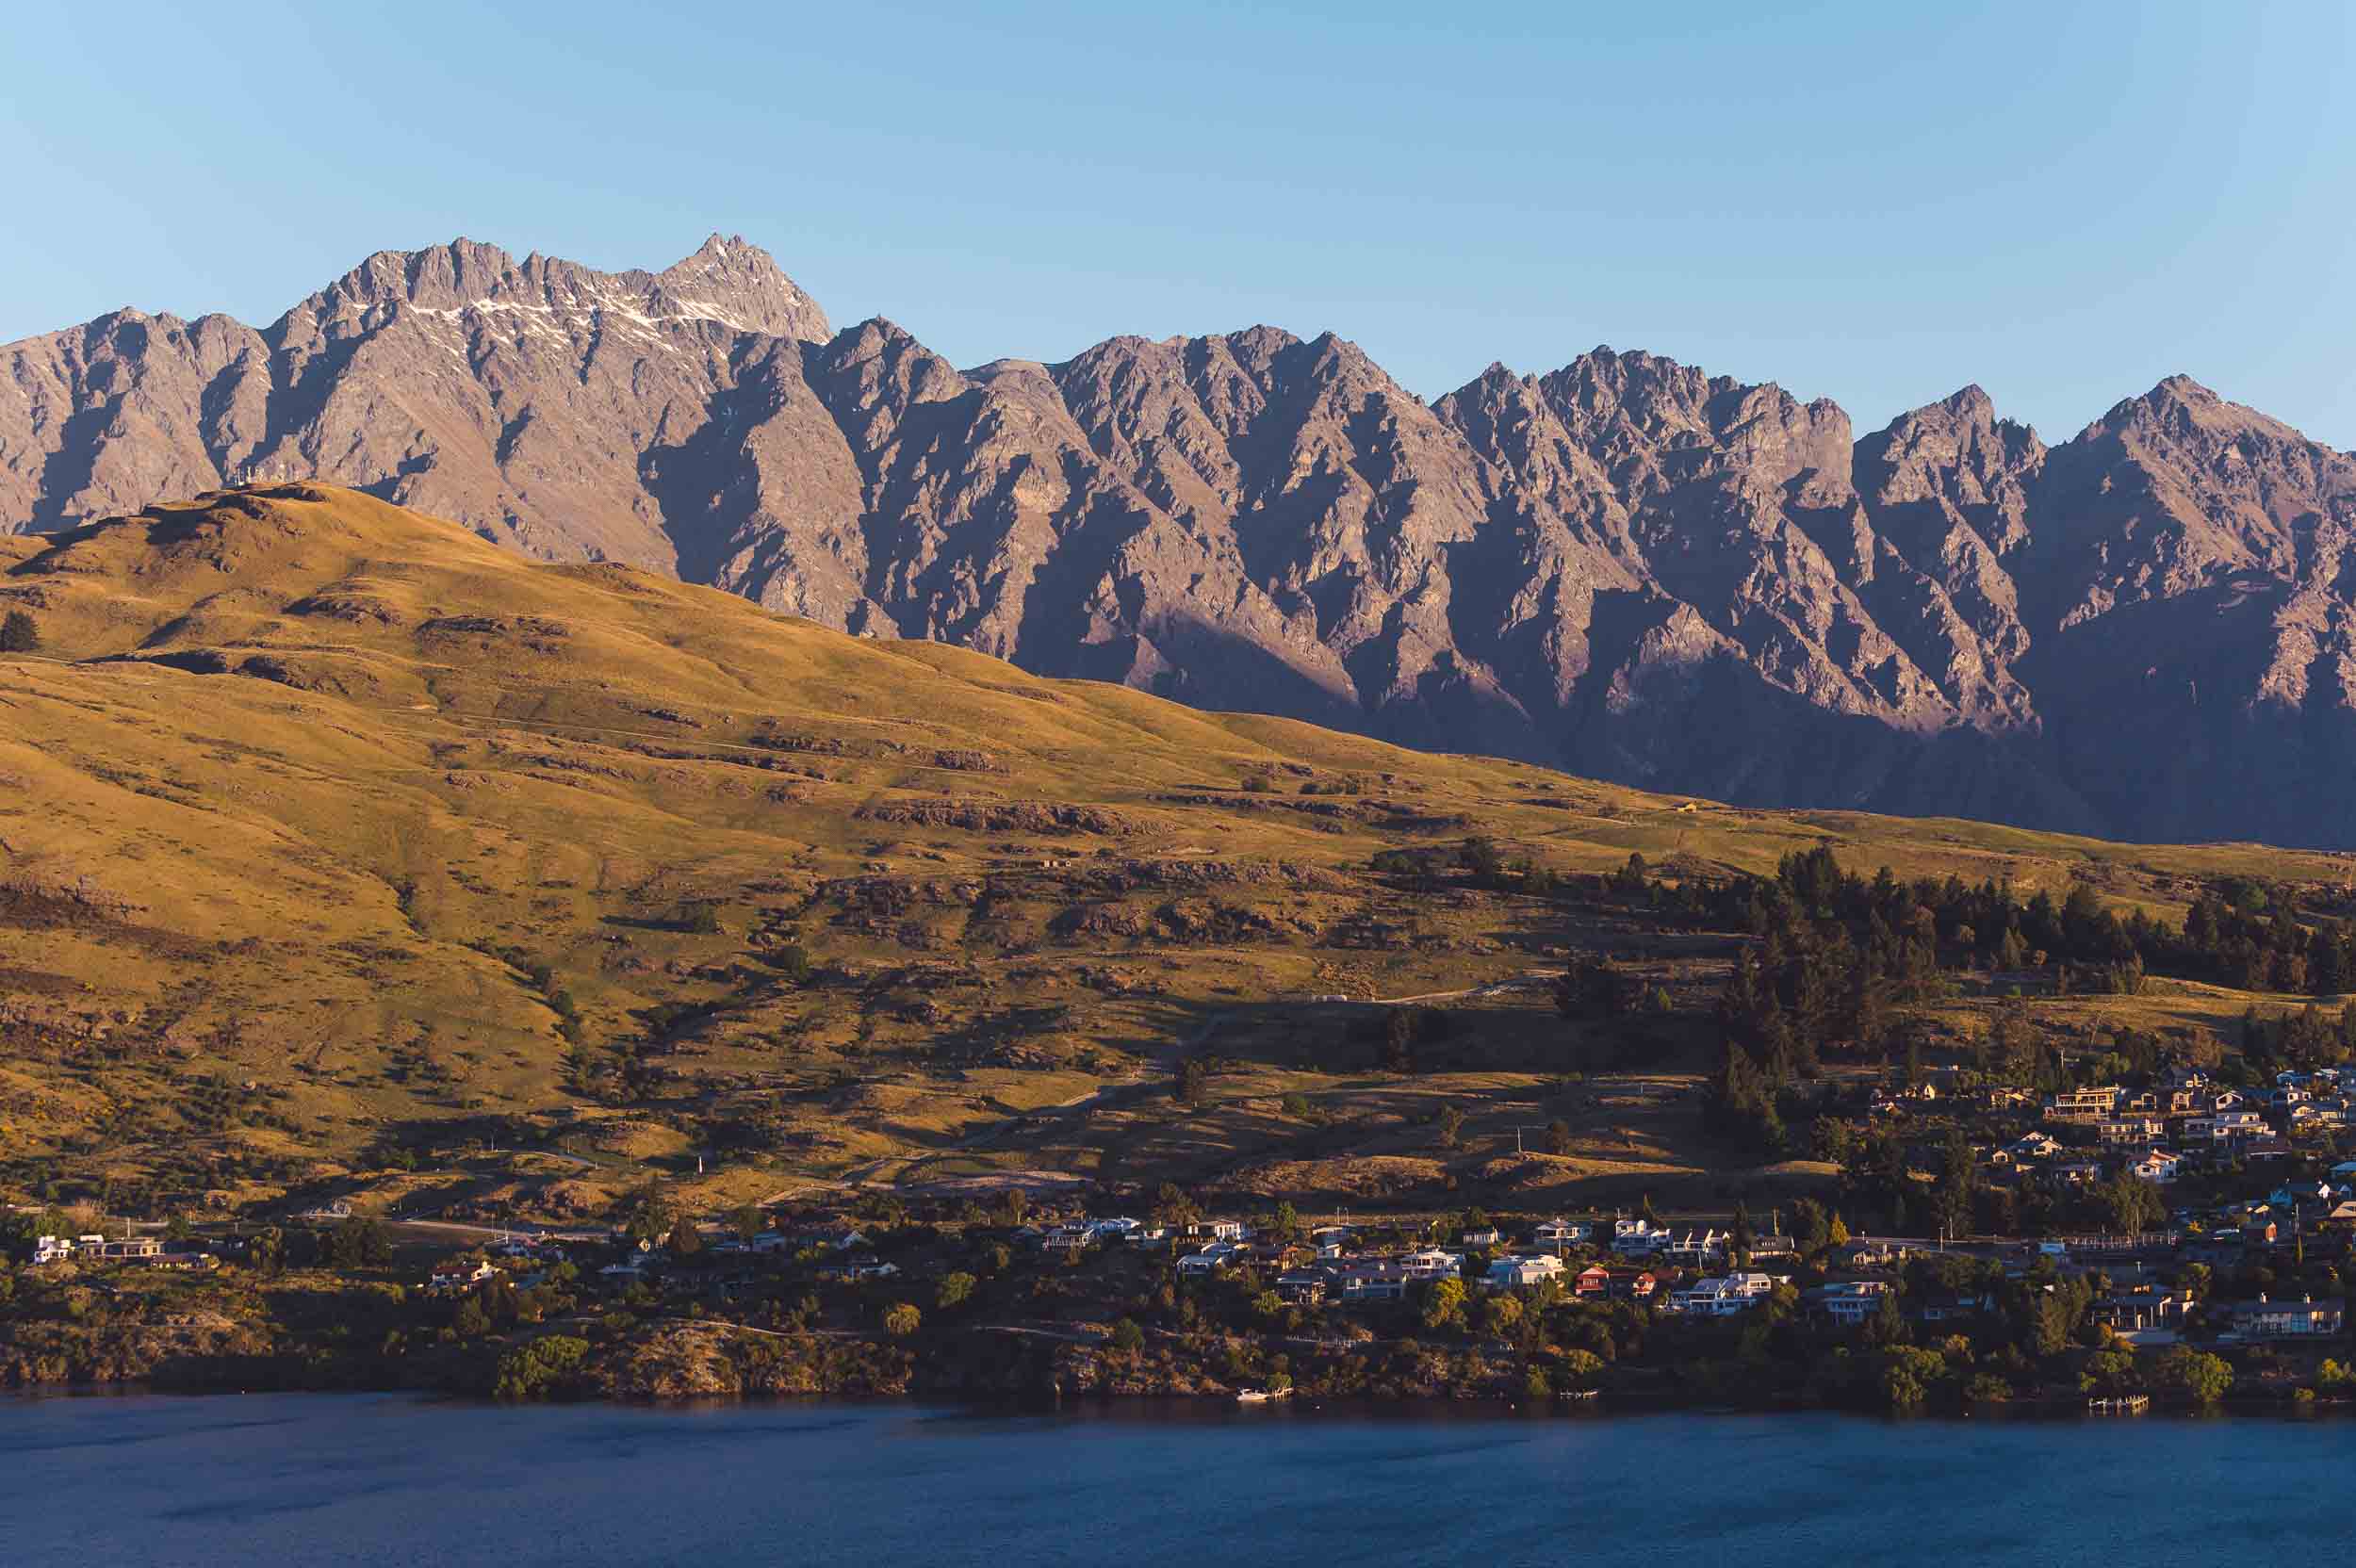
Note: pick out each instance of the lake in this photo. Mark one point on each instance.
(318, 1478)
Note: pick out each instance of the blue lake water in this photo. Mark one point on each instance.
(321, 1479)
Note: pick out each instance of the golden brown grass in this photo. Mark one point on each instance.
(295, 765)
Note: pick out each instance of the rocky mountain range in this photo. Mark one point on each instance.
(1624, 567)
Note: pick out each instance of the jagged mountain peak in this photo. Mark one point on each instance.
(437, 276)
(1628, 564)
(1969, 402)
(2178, 400)
(734, 284)
(746, 281)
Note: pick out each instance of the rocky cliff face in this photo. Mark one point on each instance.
(519, 397)
(1624, 566)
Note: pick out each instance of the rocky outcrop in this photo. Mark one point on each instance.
(1624, 566)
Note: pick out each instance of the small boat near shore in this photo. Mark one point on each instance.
(1261, 1396)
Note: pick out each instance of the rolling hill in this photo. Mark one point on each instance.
(343, 850)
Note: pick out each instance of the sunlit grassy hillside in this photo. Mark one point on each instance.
(336, 840)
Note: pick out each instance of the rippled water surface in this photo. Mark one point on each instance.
(317, 1480)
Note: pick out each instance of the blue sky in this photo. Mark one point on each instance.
(1876, 203)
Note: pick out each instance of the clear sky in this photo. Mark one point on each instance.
(1872, 203)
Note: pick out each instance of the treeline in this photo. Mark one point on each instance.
(2237, 933)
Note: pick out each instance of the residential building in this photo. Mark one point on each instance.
(1882, 1251)
(1638, 1238)
(860, 1270)
(1303, 1287)
(1722, 1297)
(461, 1275)
(1564, 1232)
(1634, 1285)
(1373, 1279)
(1702, 1249)
(2032, 1146)
(2082, 1105)
(2305, 1318)
(1946, 1306)
(1513, 1273)
(133, 1248)
(1847, 1303)
(1213, 1259)
(2143, 1316)
(1066, 1238)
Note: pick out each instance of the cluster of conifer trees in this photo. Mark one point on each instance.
(1838, 953)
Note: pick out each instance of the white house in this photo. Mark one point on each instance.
(1638, 1238)
(1722, 1297)
(1564, 1232)
(1699, 1248)
(2157, 1166)
(1215, 1230)
(1067, 1238)
(1510, 1273)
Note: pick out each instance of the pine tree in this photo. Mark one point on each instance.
(19, 634)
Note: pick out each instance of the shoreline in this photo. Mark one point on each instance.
(1183, 1409)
